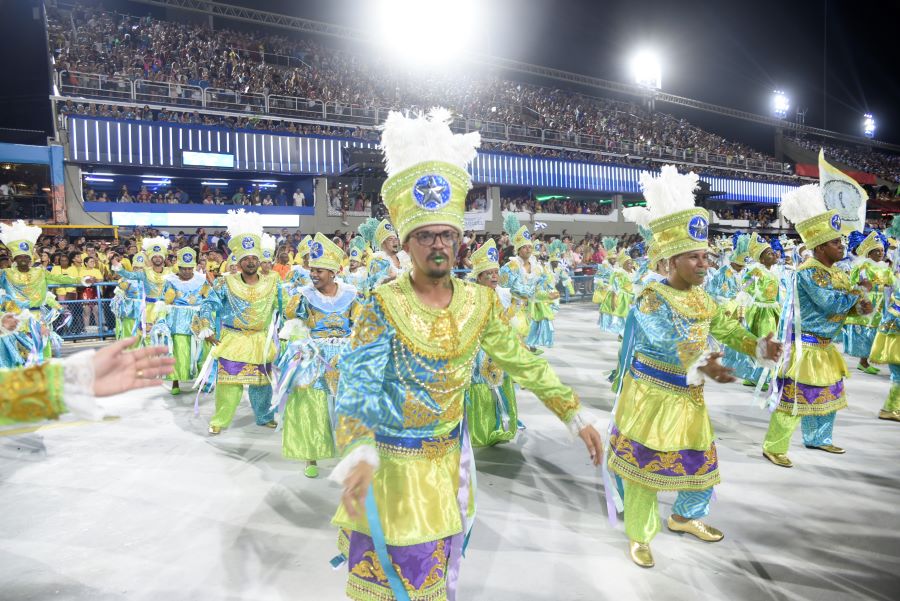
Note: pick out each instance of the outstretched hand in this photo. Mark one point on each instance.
(716, 370)
(117, 369)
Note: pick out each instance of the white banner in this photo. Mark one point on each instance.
(474, 221)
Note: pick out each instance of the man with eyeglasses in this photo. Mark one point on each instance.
(408, 464)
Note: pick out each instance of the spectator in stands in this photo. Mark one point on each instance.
(239, 198)
(299, 198)
(124, 196)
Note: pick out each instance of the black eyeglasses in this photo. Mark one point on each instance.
(427, 238)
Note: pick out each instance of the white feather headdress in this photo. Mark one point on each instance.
(149, 243)
(19, 230)
(803, 203)
(669, 192)
(242, 223)
(637, 215)
(268, 242)
(408, 141)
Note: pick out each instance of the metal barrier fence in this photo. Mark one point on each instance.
(91, 317)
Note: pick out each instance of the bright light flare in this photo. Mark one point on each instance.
(427, 31)
(869, 125)
(647, 69)
(781, 104)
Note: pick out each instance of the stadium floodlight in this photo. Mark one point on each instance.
(869, 125)
(781, 104)
(646, 69)
(426, 31)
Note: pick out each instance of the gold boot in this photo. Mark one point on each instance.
(893, 416)
(640, 554)
(780, 459)
(702, 531)
(272, 424)
(829, 448)
(214, 430)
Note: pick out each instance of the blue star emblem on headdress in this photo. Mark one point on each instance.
(267, 254)
(526, 234)
(492, 255)
(316, 250)
(187, 257)
(836, 223)
(247, 243)
(698, 228)
(23, 246)
(431, 192)
(389, 227)
(157, 248)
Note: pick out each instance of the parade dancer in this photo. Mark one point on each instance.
(762, 287)
(859, 330)
(25, 290)
(661, 438)
(811, 385)
(620, 295)
(603, 277)
(182, 294)
(521, 274)
(320, 316)
(244, 304)
(356, 274)
(127, 303)
(492, 413)
(299, 274)
(407, 461)
(389, 260)
(151, 278)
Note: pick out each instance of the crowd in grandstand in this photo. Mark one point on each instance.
(872, 161)
(180, 53)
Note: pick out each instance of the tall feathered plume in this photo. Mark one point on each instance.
(268, 242)
(557, 247)
(511, 224)
(367, 230)
(408, 141)
(742, 244)
(241, 222)
(669, 192)
(894, 229)
(19, 230)
(610, 243)
(359, 243)
(803, 203)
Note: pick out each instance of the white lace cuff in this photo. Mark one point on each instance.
(363, 453)
(582, 420)
(761, 355)
(160, 309)
(84, 281)
(694, 375)
(78, 386)
(205, 333)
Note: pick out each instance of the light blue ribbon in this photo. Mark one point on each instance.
(381, 547)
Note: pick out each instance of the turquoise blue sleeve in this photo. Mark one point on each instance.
(823, 294)
(362, 368)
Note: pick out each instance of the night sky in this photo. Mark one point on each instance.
(730, 53)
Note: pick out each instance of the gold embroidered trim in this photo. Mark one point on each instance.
(657, 482)
(693, 303)
(436, 333)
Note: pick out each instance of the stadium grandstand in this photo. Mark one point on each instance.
(164, 118)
